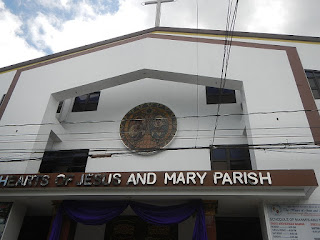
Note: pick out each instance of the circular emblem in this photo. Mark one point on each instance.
(148, 127)
(276, 210)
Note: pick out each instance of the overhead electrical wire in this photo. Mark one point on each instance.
(197, 59)
(267, 147)
(106, 139)
(121, 151)
(281, 151)
(182, 148)
(226, 56)
(181, 117)
(179, 130)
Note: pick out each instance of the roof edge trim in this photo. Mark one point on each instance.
(278, 37)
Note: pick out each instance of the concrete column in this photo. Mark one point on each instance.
(65, 230)
(14, 222)
(66, 222)
(210, 209)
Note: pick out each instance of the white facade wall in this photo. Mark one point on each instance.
(6, 79)
(183, 103)
(268, 85)
(262, 78)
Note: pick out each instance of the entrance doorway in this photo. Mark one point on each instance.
(132, 228)
(35, 227)
(238, 228)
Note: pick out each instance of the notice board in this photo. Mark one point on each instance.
(294, 221)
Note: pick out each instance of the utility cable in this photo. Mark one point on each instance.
(181, 117)
(268, 147)
(225, 61)
(198, 121)
(202, 137)
(261, 145)
(179, 130)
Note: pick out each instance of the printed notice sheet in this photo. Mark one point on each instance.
(294, 221)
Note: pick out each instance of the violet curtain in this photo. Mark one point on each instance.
(98, 212)
(164, 215)
(93, 212)
(56, 225)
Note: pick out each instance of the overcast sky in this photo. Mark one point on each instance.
(34, 28)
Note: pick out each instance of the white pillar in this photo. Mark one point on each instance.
(14, 222)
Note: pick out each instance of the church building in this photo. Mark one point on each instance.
(144, 137)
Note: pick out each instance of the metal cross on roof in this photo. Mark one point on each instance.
(158, 11)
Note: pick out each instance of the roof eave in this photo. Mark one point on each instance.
(164, 29)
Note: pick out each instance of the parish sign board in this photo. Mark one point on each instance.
(285, 178)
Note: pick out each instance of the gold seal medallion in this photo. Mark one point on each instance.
(148, 127)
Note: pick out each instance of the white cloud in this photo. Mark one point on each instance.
(88, 26)
(62, 4)
(13, 48)
(42, 25)
(179, 13)
(268, 16)
(95, 22)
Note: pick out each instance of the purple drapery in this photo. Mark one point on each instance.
(97, 213)
(93, 212)
(164, 215)
(56, 225)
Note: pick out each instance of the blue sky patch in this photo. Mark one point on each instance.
(27, 10)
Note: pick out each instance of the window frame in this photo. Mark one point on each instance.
(2, 99)
(86, 105)
(315, 80)
(229, 160)
(60, 106)
(72, 160)
(227, 96)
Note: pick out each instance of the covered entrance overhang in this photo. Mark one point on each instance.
(231, 193)
(201, 184)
